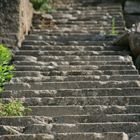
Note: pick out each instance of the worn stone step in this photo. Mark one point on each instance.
(25, 120)
(61, 101)
(71, 85)
(109, 8)
(66, 42)
(87, 12)
(74, 67)
(74, 119)
(72, 92)
(127, 127)
(90, 22)
(97, 16)
(110, 58)
(27, 79)
(130, 127)
(92, 136)
(68, 136)
(52, 111)
(68, 30)
(67, 63)
(74, 73)
(88, 27)
(28, 137)
(68, 53)
(72, 48)
(72, 37)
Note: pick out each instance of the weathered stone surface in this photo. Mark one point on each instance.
(93, 136)
(137, 62)
(15, 18)
(134, 41)
(70, 73)
(132, 7)
(136, 138)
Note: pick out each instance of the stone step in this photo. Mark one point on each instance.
(29, 137)
(80, 14)
(74, 73)
(92, 136)
(68, 136)
(61, 101)
(27, 79)
(84, 12)
(71, 37)
(52, 111)
(25, 120)
(86, 42)
(72, 48)
(84, 26)
(69, 53)
(74, 119)
(109, 9)
(48, 33)
(79, 23)
(130, 127)
(89, 18)
(73, 67)
(89, 22)
(71, 85)
(108, 58)
(72, 92)
(68, 31)
(67, 63)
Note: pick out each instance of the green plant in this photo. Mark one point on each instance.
(13, 108)
(5, 55)
(6, 73)
(42, 5)
(114, 32)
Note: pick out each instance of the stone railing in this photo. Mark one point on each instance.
(15, 21)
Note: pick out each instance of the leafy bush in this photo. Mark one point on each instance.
(42, 5)
(5, 70)
(6, 73)
(13, 108)
(5, 55)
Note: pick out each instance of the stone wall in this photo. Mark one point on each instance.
(15, 20)
(132, 12)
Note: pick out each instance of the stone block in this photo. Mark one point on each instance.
(136, 138)
(132, 7)
(134, 41)
(15, 18)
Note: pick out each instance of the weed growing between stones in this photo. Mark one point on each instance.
(42, 5)
(6, 71)
(6, 74)
(14, 107)
(114, 32)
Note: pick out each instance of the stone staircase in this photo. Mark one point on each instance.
(77, 84)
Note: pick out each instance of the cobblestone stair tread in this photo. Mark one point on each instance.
(78, 85)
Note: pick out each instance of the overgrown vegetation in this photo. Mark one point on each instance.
(114, 32)
(6, 73)
(5, 55)
(14, 107)
(42, 5)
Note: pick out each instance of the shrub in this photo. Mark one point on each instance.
(6, 73)
(13, 108)
(42, 5)
(5, 55)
